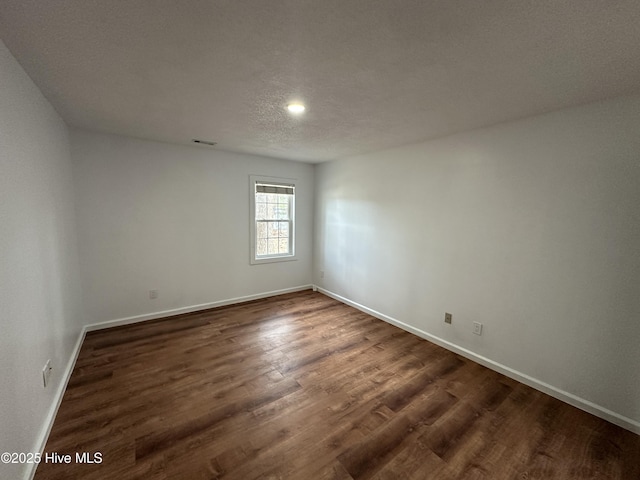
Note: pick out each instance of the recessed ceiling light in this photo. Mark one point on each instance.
(296, 108)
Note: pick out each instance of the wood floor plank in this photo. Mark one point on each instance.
(301, 386)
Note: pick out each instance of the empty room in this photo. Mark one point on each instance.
(320, 239)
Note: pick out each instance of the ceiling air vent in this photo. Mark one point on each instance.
(204, 142)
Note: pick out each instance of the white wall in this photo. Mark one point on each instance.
(39, 287)
(531, 227)
(176, 219)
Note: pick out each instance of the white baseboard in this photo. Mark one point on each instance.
(571, 399)
(192, 308)
(53, 410)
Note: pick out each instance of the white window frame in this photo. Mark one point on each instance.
(289, 182)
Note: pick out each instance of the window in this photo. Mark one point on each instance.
(272, 219)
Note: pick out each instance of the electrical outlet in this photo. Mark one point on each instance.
(153, 294)
(448, 318)
(46, 373)
(477, 328)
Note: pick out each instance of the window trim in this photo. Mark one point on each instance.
(253, 260)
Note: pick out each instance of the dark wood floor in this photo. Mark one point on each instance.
(301, 386)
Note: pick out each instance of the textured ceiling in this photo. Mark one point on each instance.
(374, 74)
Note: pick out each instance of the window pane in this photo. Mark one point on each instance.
(261, 211)
(273, 230)
(284, 229)
(261, 248)
(261, 197)
(272, 246)
(272, 197)
(261, 230)
(283, 245)
(283, 211)
(272, 211)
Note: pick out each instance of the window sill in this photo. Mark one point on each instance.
(285, 258)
